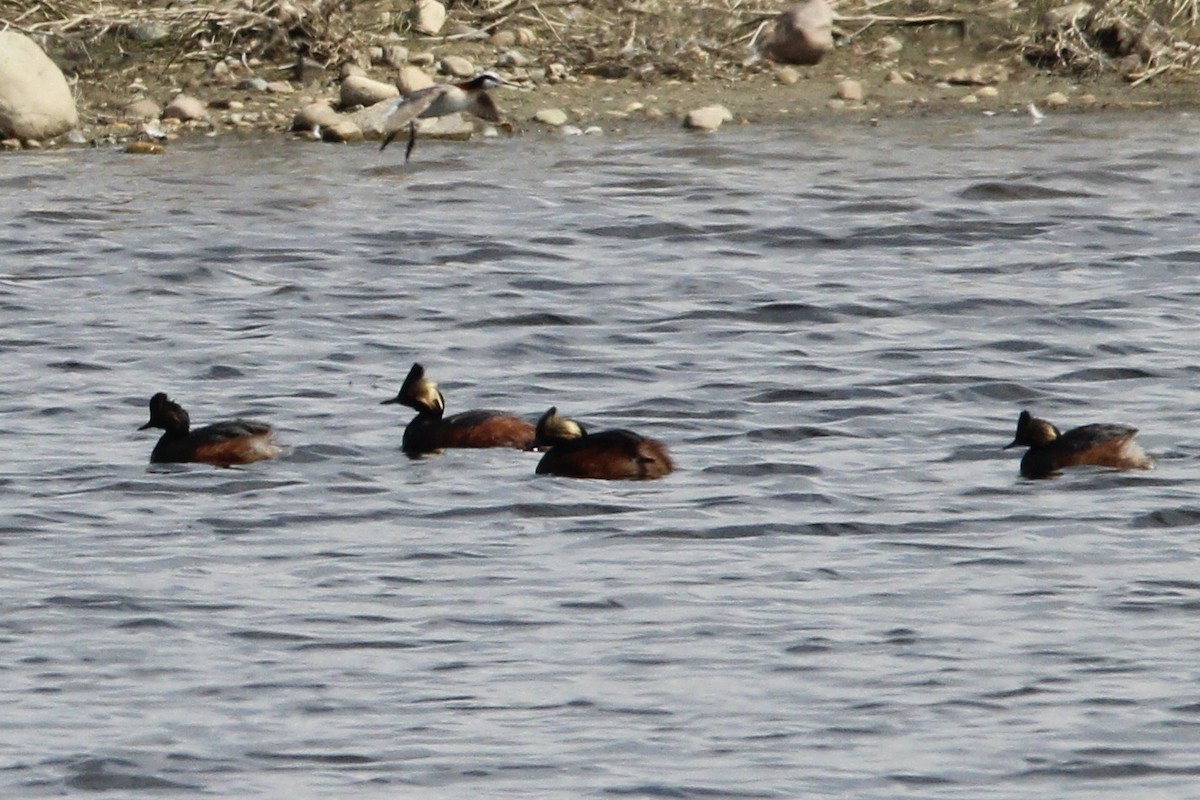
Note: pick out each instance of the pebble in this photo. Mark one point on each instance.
(412, 79)
(890, 46)
(457, 67)
(708, 118)
(787, 75)
(358, 91)
(504, 38)
(512, 58)
(148, 31)
(141, 109)
(144, 148)
(988, 93)
(850, 90)
(343, 130)
(979, 75)
(186, 108)
(895, 77)
(551, 116)
(395, 55)
(1057, 100)
(279, 87)
(313, 115)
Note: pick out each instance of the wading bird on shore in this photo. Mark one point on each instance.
(438, 101)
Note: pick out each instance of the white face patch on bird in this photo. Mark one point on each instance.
(489, 80)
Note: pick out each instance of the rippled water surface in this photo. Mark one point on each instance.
(845, 591)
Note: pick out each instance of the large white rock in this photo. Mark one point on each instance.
(35, 100)
(428, 16)
(708, 118)
(185, 108)
(411, 79)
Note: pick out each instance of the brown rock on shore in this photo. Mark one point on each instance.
(803, 34)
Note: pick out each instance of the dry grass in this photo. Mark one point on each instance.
(614, 38)
(1140, 39)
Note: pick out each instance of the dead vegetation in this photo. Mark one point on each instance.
(646, 39)
(1139, 39)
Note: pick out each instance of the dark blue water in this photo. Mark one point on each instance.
(845, 591)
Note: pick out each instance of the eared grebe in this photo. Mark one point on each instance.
(430, 431)
(1093, 445)
(438, 101)
(608, 455)
(224, 444)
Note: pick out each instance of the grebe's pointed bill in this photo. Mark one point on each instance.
(1021, 437)
(415, 374)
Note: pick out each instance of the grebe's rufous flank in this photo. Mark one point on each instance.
(430, 431)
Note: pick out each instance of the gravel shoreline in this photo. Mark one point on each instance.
(125, 77)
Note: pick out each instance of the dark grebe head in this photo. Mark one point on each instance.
(553, 429)
(419, 394)
(610, 455)
(1033, 432)
(167, 414)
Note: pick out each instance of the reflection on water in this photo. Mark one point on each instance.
(845, 590)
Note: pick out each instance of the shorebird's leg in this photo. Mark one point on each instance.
(412, 140)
